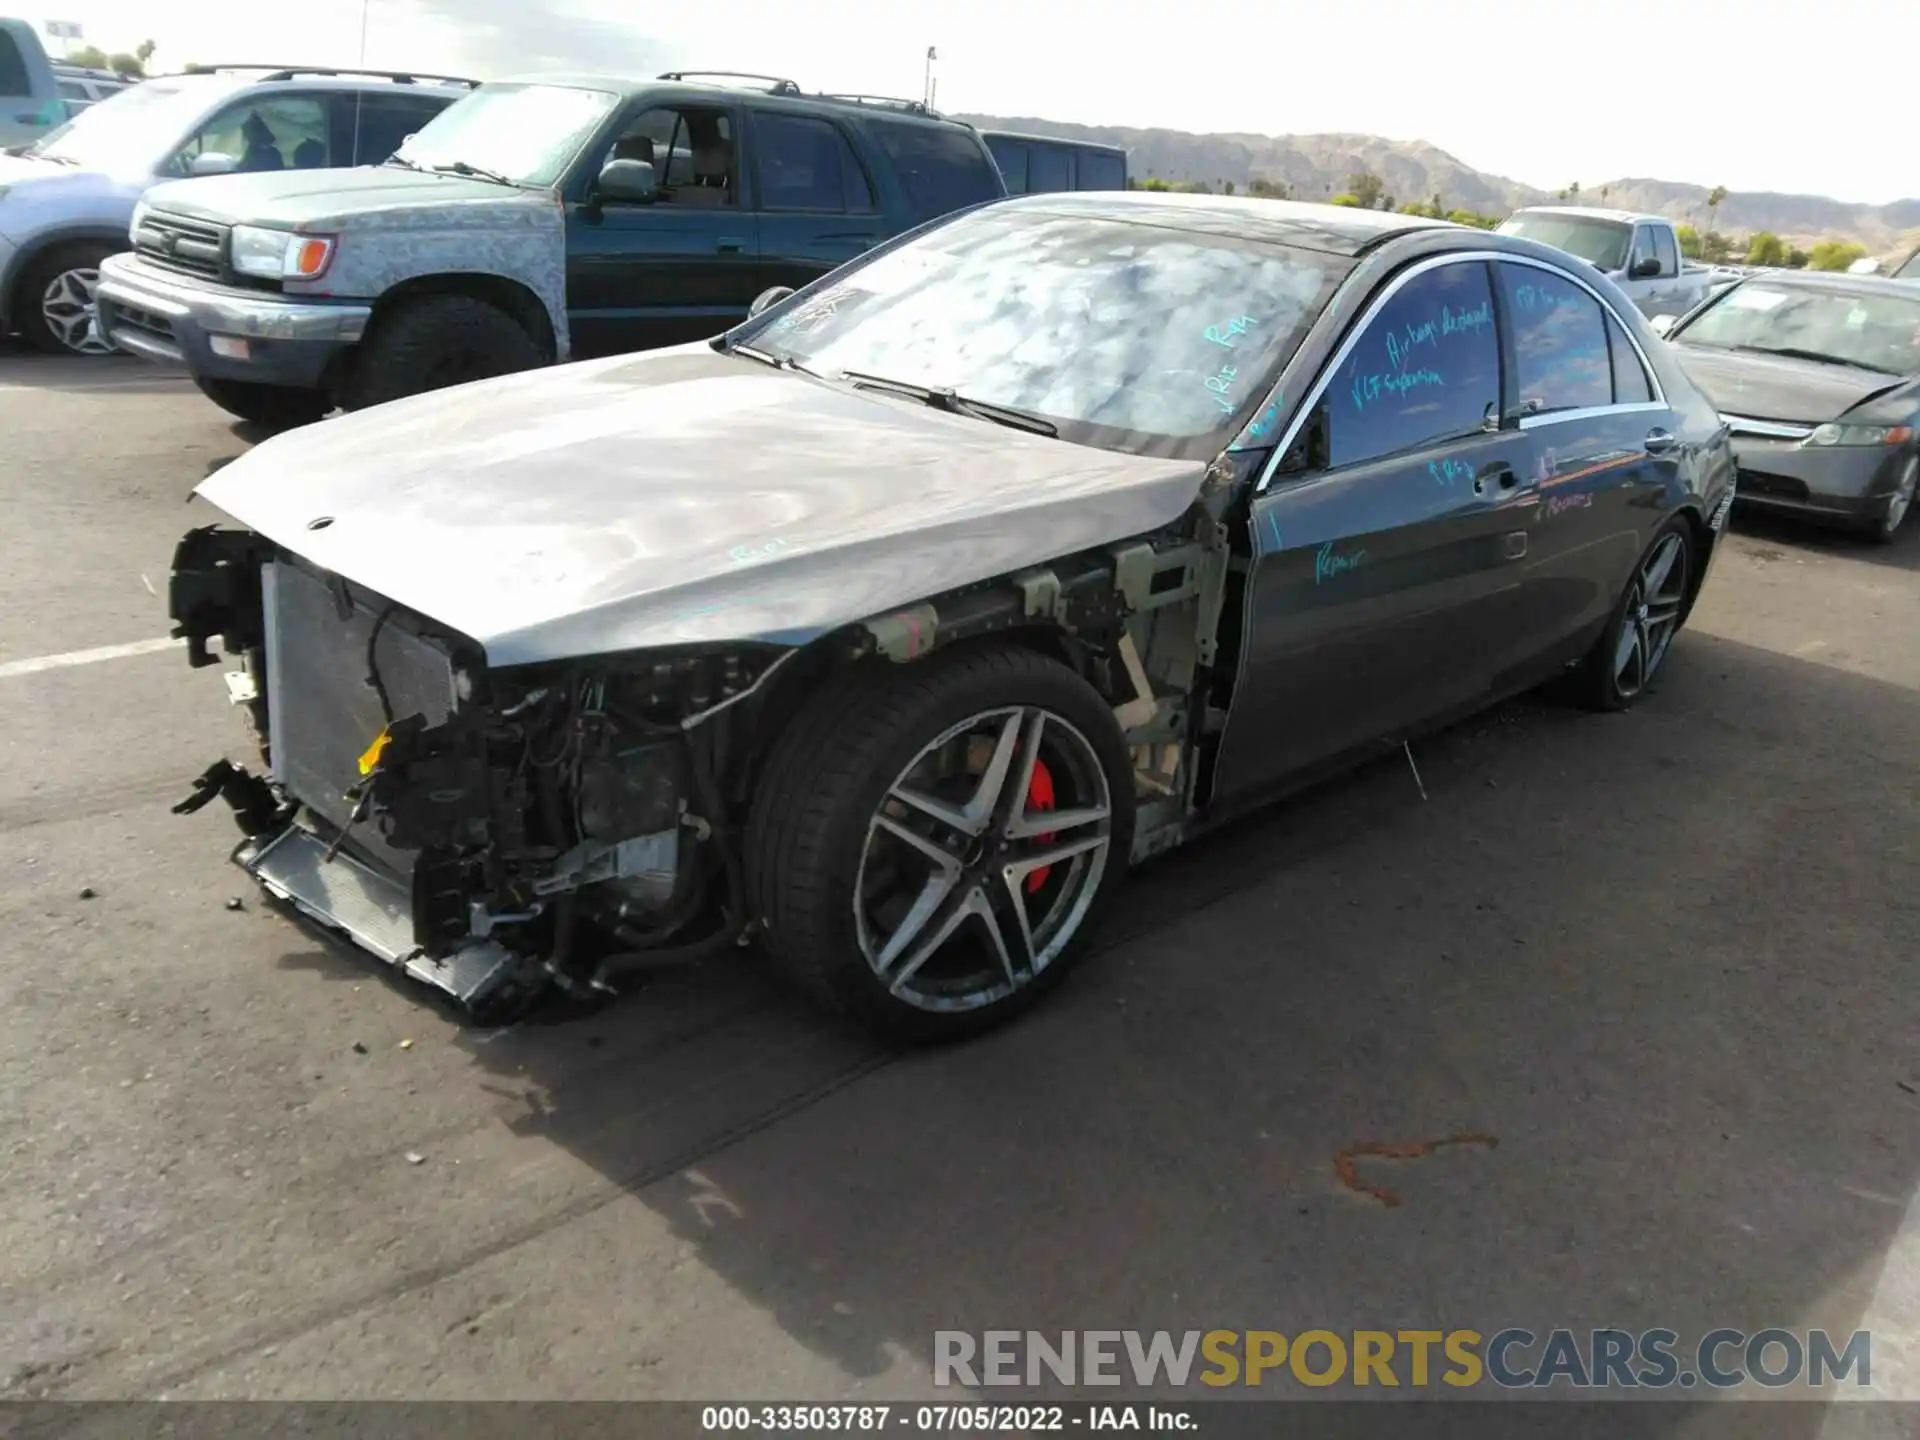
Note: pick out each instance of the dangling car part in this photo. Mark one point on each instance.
(889, 630)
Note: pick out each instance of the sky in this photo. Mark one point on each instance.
(1549, 94)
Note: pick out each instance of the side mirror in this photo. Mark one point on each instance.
(767, 299)
(213, 163)
(1663, 323)
(627, 182)
(1644, 269)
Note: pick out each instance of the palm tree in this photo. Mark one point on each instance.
(1714, 197)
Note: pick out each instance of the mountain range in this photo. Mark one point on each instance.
(1314, 167)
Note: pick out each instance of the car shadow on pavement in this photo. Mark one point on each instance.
(1781, 530)
(120, 374)
(1664, 959)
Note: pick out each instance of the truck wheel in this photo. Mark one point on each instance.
(931, 844)
(437, 341)
(278, 407)
(55, 301)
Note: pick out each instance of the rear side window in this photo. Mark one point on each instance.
(1630, 383)
(942, 169)
(807, 164)
(1011, 157)
(13, 68)
(1561, 360)
(1426, 369)
(1102, 172)
(1050, 170)
(377, 125)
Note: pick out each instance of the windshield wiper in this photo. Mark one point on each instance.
(954, 403)
(27, 152)
(766, 357)
(1793, 353)
(404, 163)
(472, 172)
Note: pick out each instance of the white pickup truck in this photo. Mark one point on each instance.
(1639, 253)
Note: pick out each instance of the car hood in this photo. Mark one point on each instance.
(677, 497)
(1774, 387)
(333, 200)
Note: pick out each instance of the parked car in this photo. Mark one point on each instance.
(1639, 253)
(67, 201)
(1819, 377)
(30, 103)
(81, 86)
(1043, 164)
(538, 221)
(892, 625)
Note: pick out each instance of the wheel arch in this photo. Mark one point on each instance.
(512, 297)
(31, 252)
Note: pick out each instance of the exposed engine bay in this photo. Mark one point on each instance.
(497, 833)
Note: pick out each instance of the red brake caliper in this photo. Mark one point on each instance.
(1040, 797)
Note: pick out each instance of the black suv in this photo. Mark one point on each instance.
(536, 220)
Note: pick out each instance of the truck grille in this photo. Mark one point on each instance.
(323, 712)
(192, 247)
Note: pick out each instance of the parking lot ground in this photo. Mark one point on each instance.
(1667, 959)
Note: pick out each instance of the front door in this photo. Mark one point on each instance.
(682, 267)
(1387, 543)
(815, 200)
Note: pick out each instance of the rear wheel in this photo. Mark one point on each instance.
(1623, 663)
(1887, 528)
(435, 341)
(56, 306)
(931, 844)
(280, 407)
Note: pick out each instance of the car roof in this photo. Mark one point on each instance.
(689, 86)
(1834, 282)
(1591, 212)
(232, 79)
(1341, 229)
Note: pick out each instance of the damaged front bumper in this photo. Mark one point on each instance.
(473, 829)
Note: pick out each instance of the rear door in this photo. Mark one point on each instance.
(685, 266)
(1386, 542)
(816, 206)
(1601, 435)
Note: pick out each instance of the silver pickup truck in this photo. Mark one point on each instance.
(1639, 253)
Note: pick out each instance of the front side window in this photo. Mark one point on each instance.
(265, 132)
(1601, 243)
(529, 134)
(1425, 370)
(1871, 331)
(1561, 359)
(1667, 246)
(694, 159)
(1049, 170)
(941, 167)
(1643, 250)
(14, 83)
(807, 164)
(1131, 337)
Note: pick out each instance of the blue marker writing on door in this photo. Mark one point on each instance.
(1329, 566)
(1445, 472)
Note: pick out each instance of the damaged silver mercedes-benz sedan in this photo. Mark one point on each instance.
(891, 628)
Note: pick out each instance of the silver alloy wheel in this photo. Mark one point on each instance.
(1902, 496)
(72, 313)
(1652, 615)
(969, 884)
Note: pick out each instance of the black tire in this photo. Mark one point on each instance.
(435, 341)
(1598, 682)
(825, 781)
(1888, 527)
(28, 297)
(278, 407)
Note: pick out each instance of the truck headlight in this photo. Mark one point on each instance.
(1837, 434)
(278, 255)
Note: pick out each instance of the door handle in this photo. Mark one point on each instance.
(1500, 472)
(1659, 442)
(728, 245)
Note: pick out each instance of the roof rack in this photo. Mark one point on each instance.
(884, 102)
(775, 85)
(289, 72)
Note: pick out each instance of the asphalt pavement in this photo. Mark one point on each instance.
(1666, 959)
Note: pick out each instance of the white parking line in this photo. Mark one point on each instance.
(85, 657)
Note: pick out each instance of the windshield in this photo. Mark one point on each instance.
(1127, 336)
(134, 128)
(1601, 243)
(527, 134)
(1874, 332)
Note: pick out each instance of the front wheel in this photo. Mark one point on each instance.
(434, 341)
(1623, 663)
(279, 407)
(58, 312)
(932, 843)
(1886, 529)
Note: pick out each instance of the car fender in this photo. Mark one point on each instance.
(39, 244)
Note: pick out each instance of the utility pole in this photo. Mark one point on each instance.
(365, 6)
(928, 91)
